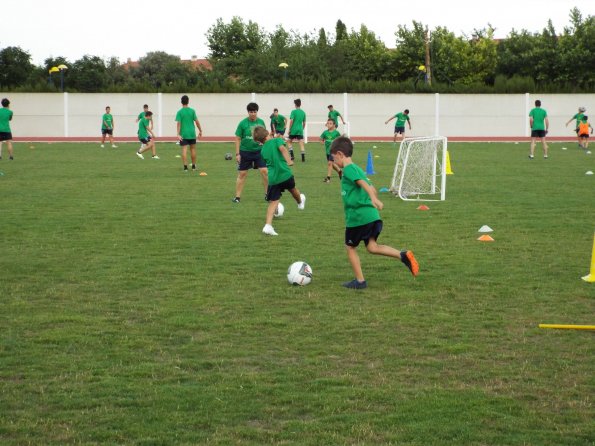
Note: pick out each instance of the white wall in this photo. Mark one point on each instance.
(78, 115)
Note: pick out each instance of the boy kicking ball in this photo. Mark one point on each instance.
(280, 176)
(146, 135)
(362, 219)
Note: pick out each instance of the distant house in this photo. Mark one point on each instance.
(201, 64)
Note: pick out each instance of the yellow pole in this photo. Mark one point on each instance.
(591, 276)
(448, 169)
(568, 327)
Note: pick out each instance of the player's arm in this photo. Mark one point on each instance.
(290, 125)
(237, 143)
(371, 191)
(342, 120)
(409, 122)
(569, 121)
(547, 123)
(178, 128)
(197, 122)
(285, 154)
(389, 119)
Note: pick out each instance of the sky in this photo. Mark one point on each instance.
(130, 29)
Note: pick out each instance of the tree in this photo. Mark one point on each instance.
(15, 67)
(88, 75)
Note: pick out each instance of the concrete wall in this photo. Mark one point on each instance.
(78, 116)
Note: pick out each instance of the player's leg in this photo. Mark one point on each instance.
(185, 156)
(193, 155)
(302, 149)
(264, 175)
(329, 170)
(356, 266)
(545, 147)
(9, 147)
(532, 148)
(240, 181)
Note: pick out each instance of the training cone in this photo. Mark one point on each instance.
(589, 172)
(203, 174)
(591, 276)
(423, 207)
(370, 164)
(485, 238)
(448, 169)
(485, 228)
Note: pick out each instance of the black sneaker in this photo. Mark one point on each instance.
(356, 285)
(236, 200)
(10, 158)
(326, 180)
(409, 260)
(531, 157)
(303, 157)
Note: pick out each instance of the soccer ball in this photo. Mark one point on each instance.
(228, 156)
(299, 273)
(280, 210)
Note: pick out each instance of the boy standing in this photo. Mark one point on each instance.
(327, 137)
(362, 219)
(146, 135)
(5, 132)
(578, 117)
(297, 122)
(186, 119)
(107, 127)
(402, 118)
(278, 124)
(280, 175)
(248, 150)
(334, 115)
(583, 132)
(539, 124)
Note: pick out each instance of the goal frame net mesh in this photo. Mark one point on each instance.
(420, 170)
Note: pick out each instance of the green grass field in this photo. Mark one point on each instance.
(139, 305)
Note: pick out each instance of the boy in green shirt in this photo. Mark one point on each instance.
(186, 119)
(146, 135)
(362, 219)
(334, 115)
(280, 176)
(402, 118)
(327, 137)
(539, 123)
(297, 122)
(278, 124)
(140, 116)
(577, 118)
(5, 131)
(107, 127)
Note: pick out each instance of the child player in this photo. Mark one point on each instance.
(146, 135)
(362, 219)
(402, 118)
(327, 137)
(280, 175)
(5, 132)
(583, 132)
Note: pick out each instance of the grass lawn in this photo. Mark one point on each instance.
(139, 305)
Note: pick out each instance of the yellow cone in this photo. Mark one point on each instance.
(591, 276)
(448, 169)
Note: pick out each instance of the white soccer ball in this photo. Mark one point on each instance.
(280, 210)
(299, 273)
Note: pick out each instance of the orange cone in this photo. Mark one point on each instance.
(423, 207)
(485, 238)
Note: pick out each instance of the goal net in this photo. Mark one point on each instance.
(420, 171)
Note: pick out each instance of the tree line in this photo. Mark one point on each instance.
(246, 58)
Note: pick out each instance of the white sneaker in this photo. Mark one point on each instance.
(114, 146)
(140, 155)
(269, 230)
(155, 157)
(302, 205)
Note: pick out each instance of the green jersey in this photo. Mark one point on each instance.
(579, 118)
(141, 115)
(143, 125)
(245, 131)
(328, 137)
(279, 123)
(278, 169)
(186, 116)
(5, 117)
(107, 121)
(299, 119)
(334, 115)
(402, 118)
(538, 114)
(359, 209)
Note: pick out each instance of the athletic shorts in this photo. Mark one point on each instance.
(296, 137)
(400, 130)
(251, 160)
(353, 236)
(187, 142)
(329, 157)
(538, 133)
(5, 136)
(583, 135)
(145, 140)
(107, 131)
(280, 132)
(274, 191)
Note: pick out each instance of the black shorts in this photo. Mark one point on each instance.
(296, 137)
(400, 130)
(280, 132)
(145, 140)
(353, 236)
(538, 133)
(274, 191)
(251, 160)
(107, 131)
(329, 157)
(187, 142)
(583, 135)
(5, 136)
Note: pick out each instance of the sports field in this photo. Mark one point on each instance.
(139, 305)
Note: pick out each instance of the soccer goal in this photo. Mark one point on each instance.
(420, 171)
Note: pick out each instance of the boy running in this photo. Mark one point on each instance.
(334, 115)
(327, 137)
(578, 117)
(362, 219)
(402, 118)
(5, 132)
(186, 119)
(140, 116)
(583, 132)
(146, 135)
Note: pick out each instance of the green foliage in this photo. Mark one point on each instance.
(15, 67)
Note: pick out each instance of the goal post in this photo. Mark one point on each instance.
(420, 170)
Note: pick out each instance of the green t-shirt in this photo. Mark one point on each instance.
(141, 115)
(143, 125)
(186, 117)
(328, 137)
(334, 115)
(278, 169)
(402, 118)
(279, 123)
(107, 121)
(579, 118)
(299, 118)
(245, 131)
(5, 117)
(359, 209)
(538, 114)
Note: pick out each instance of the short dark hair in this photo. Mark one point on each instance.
(145, 106)
(260, 134)
(406, 111)
(297, 102)
(185, 100)
(330, 106)
(148, 113)
(5, 102)
(342, 144)
(252, 106)
(538, 103)
(276, 110)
